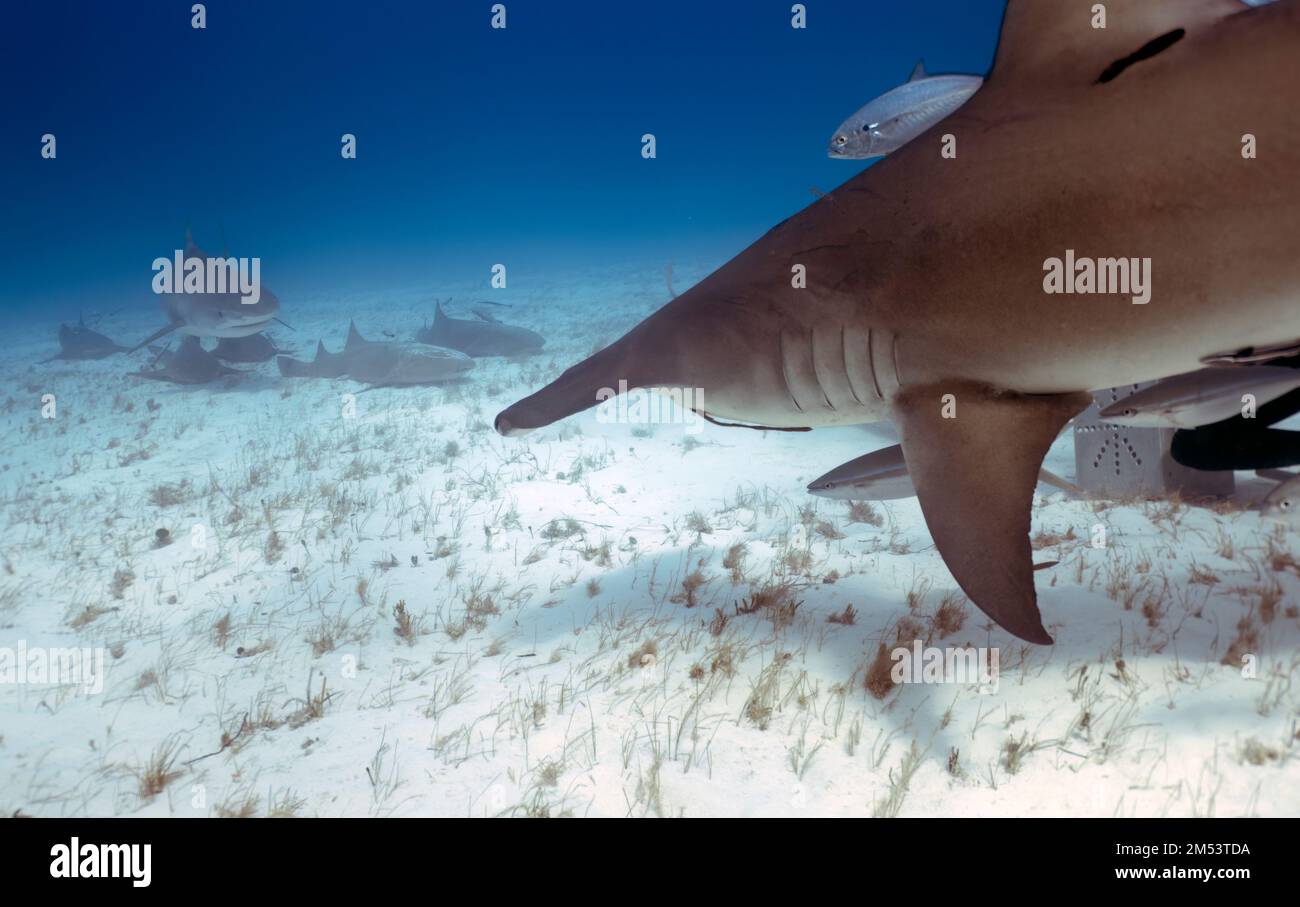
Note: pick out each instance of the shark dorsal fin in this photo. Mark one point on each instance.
(439, 315)
(354, 336)
(918, 71)
(192, 249)
(321, 352)
(1055, 43)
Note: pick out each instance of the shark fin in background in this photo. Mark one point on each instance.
(918, 71)
(975, 476)
(1054, 44)
(354, 337)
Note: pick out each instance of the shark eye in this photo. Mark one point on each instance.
(1286, 504)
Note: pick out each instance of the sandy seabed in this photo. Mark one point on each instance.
(388, 609)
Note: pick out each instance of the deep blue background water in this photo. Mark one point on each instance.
(474, 145)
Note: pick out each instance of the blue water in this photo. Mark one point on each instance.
(475, 145)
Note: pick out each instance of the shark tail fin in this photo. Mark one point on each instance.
(293, 368)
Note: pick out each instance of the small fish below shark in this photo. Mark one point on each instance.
(1202, 397)
(190, 364)
(882, 476)
(380, 363)
(81, 343)
(483, 337)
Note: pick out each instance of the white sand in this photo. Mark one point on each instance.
(565, 674)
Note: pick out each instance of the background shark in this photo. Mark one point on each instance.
(213, 314)
(380, 363)
(480, 336)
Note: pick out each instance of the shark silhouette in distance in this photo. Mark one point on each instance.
(380, 363)
(214, 315)
(483, 336)
(190, 364)
(250, 349)
(925, 299)
(81, 343)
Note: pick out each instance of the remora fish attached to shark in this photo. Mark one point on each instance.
(882, 476)
(924, 294)
(213, 314)
(380, 363)
(482, 337)
(890, 121)
(1201, 398)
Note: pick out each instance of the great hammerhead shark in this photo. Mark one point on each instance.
(1171, 135)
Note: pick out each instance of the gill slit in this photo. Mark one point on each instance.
(817, 379)
(848, 373)
(785, 372)
(871, 363)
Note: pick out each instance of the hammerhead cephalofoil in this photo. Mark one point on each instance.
(925, 296)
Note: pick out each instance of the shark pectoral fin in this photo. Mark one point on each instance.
(974, 454)
(161, 332)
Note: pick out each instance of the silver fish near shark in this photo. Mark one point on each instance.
(380, 363)
(925, 297)
(1202, 397)
(213, 314)
(482, 337)
(890, 121)
(882, 476)
(81, 343)
(190, 364)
